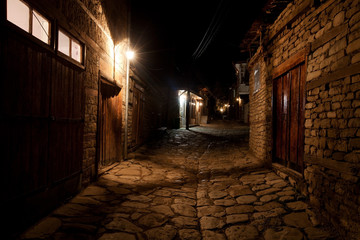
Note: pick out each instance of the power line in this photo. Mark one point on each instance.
(211, 31)
(208, 34)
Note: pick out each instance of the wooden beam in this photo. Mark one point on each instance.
(291, 62)
(342, 167)
(341, 73)
(328, 36)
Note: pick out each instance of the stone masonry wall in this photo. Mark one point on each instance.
(88, 19)
(331, 32)
(260, 111)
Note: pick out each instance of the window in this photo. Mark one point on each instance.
(69, 46)
(64, 43)
(40, 27)
(256, 78)
(26, 18)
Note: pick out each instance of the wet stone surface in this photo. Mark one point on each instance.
(197, 184)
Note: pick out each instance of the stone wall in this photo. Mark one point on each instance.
(330, 30)
(90, 22)
(260, 109)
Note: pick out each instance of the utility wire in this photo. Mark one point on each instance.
(208, 31)
(208, 36)
(211, 31)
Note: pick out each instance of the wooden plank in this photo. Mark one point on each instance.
(328, 36)
(294, 115)
(301, 130)
(278, 119)
(285, 116)
(342, 167)
(339, 74)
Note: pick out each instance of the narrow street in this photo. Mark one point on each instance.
(197, 184)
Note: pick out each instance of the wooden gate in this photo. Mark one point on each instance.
(41, 121)
(289, 118)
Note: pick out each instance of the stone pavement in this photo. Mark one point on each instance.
(197, 184)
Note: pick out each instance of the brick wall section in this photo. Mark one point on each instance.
(331, 31)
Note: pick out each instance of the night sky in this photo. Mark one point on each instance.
(166, 35)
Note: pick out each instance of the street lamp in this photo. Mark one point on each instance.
(129, 55)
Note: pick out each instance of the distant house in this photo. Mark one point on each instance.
(197, 108)
(240, 97)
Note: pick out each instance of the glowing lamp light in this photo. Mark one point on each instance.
(221, 110)
(130, 55)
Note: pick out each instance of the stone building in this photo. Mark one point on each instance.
(63, 100)
(241, 92)
(304, 104)
(191, 107)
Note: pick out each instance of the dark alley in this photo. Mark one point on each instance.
(197, 184)
(226, 119)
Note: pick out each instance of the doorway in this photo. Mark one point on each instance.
(288, 112)
(110, 123)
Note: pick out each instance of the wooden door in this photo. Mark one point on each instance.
(109, 141)
(289, 118)
(24, 118)
(41, 118)
(66, 121)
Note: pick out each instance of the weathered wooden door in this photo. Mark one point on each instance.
(289, 118)
(66, 122)
(41, 124)
(110, 146)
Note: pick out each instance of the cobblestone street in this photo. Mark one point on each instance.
(197, 184)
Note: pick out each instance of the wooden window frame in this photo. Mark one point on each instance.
(257, 80)
(71, 37)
